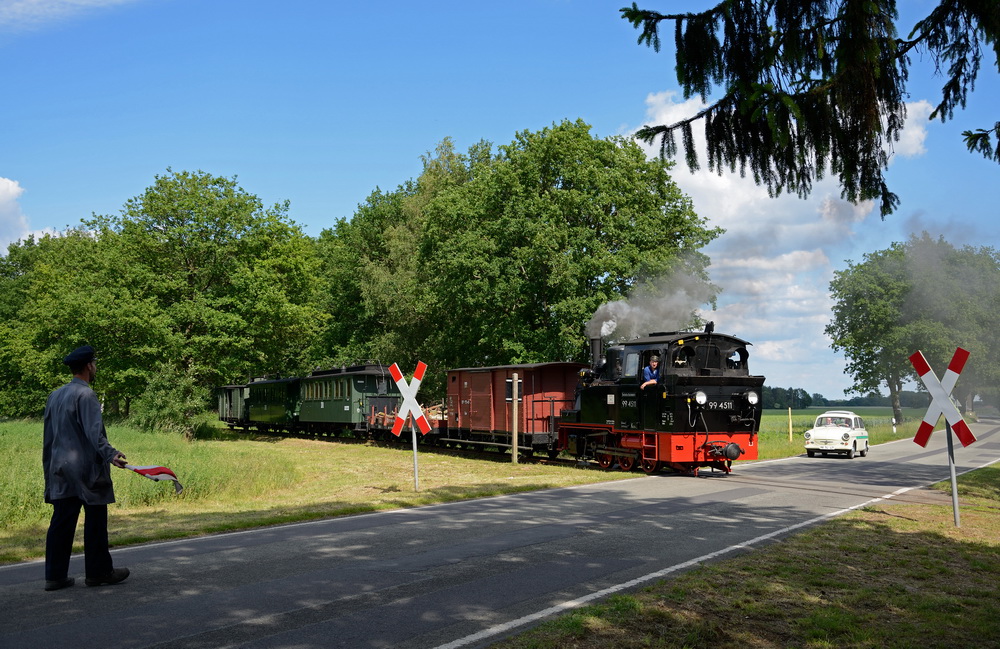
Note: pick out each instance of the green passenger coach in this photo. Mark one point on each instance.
(274, 402)
(347, 398)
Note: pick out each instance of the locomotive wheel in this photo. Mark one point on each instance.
(626, 462)
(553, 453)
(650, 466)
(605, 460)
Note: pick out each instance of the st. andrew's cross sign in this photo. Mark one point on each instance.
(409, 394)
(410, 407)
(941, 403)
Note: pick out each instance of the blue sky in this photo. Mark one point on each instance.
(319, 103)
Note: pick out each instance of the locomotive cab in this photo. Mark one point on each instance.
(703, 410)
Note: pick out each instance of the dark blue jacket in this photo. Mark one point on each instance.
(76, 455)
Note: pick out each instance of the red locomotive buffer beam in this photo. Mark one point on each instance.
(688, 451)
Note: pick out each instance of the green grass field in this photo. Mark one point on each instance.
(234, 482)
(774, 426)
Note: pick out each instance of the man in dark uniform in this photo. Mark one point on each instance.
(77, 459)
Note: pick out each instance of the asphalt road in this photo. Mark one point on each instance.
(457, 575)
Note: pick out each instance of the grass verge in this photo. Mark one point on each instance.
(237, 482)
(891, 575)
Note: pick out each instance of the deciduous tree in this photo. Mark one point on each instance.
(495, 257)
(922, 295)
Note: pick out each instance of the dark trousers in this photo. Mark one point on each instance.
(59, 540)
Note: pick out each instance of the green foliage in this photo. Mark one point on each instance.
(492, 256)
(194, 275)
(922, 295)
(496, 257)
(171, 402)
(814, 86)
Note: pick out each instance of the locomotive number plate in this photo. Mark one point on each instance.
(720, 405)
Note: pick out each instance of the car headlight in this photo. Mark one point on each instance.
(700, 398)
(845, 436)
(752, 398)
(808, 435)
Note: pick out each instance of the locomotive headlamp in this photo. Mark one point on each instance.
(752, 398)
(700, 398)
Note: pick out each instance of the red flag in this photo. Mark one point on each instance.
(157, 473)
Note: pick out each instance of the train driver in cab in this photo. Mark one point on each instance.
(651, 373)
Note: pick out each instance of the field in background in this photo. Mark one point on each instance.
(878, 421)
(235, 482)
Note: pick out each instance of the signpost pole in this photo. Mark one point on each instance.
(416, 474)
(954, 481)
(410, 408)
(513, 421)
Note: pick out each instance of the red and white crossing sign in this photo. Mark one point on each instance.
(941, 393)
(410, 405)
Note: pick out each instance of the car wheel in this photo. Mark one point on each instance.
(850, 452)
(864, 453)
(811, 453)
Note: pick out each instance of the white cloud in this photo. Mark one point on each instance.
(29, 14)
(911, 138)
(775, 261)
(13, 224)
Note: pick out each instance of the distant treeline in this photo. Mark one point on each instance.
(796, 398)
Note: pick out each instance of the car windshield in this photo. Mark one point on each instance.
(833, 421)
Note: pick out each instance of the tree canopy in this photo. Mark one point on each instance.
(493, 256)
(816, 86)
(923, 295)
(502, 256)
(194, 281)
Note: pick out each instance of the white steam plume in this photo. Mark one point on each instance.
(668, 304)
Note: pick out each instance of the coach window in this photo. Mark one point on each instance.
(631, 365)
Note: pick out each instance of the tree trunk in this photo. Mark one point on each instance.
(897, 410)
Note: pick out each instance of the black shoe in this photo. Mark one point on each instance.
(115, 576)
(56, 584)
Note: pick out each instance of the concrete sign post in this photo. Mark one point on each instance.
(941, 404)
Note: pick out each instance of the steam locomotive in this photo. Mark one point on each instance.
(702, 411)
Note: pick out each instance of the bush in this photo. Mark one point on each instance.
(172, 402)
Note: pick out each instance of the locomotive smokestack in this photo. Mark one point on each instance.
(596, 351)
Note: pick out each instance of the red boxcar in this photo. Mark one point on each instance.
(480, 407)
